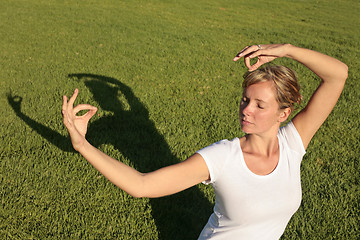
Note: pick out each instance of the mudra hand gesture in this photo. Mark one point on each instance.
(264, 54)
(76, 125)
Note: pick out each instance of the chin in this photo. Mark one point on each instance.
(246, 130)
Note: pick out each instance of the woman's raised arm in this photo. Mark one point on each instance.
(333, 74)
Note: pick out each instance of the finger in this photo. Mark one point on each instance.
(247, 62)
(240, 54)
(237, 57)
(256, 65)
(247, 51)
(64, 105)
(89, 114)
(66, 119)
(257, 53)
(80, 107)
(73, 97)
(65, 113)
(250, 50)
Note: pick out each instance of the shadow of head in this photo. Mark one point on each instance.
(111, 94)
(104, 90)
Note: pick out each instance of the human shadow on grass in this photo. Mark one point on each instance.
(129, 130)
(47, 133)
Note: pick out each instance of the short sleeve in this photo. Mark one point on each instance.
(215, 157)
(291, 136)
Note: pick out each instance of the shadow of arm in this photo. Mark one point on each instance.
(50, 135)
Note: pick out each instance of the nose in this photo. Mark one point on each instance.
(245, 109)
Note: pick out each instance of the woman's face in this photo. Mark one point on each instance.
(259, 110)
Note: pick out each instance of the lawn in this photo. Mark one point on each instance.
(162, 75)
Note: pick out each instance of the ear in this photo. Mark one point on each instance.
(284, 114)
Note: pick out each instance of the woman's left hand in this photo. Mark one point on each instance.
(264, 53)
(76, 125)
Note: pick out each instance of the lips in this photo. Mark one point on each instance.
(245, 122)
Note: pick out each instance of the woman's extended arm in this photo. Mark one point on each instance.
(333, 74)
(165, 181)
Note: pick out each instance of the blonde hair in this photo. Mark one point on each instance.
(285, 82)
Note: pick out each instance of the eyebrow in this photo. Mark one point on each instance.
(259, 100)
(256, 99)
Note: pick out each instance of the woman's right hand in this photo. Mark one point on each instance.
(76, 125)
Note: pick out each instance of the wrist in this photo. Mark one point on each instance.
(289, 50)
(81, 147)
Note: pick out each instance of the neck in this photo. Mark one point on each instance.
(262, 145)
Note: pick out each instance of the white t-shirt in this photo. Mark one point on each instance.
(250, 206)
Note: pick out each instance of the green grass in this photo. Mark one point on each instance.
(162, 75)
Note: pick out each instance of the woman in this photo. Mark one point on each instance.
(257, 177)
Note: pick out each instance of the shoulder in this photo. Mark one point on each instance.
(219, 147)
(289, 136)
(217, 155)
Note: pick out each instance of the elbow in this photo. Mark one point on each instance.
(135, 187)
(340, 76)
(140, 188)
(345, 72)
(136, 195)
(141, 194)
(145, 188)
